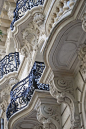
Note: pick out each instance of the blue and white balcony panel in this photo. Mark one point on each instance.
(22, 92)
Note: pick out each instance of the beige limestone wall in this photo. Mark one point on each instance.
(65, 116)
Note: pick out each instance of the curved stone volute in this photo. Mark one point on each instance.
(62, 88)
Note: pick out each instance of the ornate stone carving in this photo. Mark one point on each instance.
(62, 89)
(82, 57)
(31, 35)
(13, 81)
(38, 18)
(49, 116)
(10, 13)
(30, 39)
(84, 21)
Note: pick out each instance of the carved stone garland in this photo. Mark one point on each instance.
(62, 89)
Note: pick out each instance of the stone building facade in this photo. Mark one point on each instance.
(43, 65)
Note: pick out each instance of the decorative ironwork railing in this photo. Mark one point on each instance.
(22, 6)
(9, 64)
(22, 92)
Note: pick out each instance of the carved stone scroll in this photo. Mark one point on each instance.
(62, 89)
(49, 115)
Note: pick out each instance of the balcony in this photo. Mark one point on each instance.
(9, 63)
(22, 92)
(22, 6)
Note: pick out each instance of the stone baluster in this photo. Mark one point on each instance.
(60, 6)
